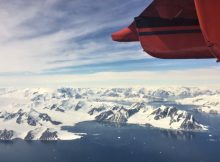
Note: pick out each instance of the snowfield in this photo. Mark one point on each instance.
(206, 103)
(39, 114)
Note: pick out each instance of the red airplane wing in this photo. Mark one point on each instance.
(168, 29)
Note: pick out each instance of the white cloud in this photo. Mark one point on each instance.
(33, 34)
(203, 77)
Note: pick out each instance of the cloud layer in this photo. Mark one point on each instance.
(47, 34)
(197, 77)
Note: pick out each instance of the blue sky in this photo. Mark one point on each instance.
(70, 39)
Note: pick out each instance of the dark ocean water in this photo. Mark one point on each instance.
(118, 143)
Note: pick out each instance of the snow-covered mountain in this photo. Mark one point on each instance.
(39, 114)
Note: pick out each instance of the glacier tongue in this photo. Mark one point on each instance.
(39, 114)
